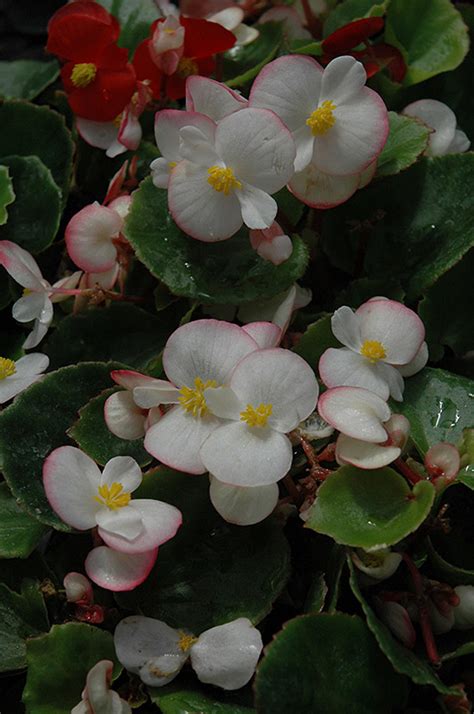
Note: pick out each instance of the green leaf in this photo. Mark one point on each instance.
(447, 308)
(316, 340)
(439, 405)
(403, 660)
(33, 219)
(36, 423)
(243, 63)
(226, 272)
(327, 663)
(177, 698)
(29, 130)
(135, 18)
(407, 140)
(412, 227)
(121, 332)
(448, 572)
(456, 644)
(369, 509)
(431, 35)
(21, 616)
(25, 79)
(211, 572)
(317, 592)
(350, 10)
(91, 434)
(19, 533)
(7, 194)
(58, 664)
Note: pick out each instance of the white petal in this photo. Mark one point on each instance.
(437, 116)
(398, 328)
(265, 334)
(78, 587)
(89, 236)
(344, 368)
(118, 572)
(382, 563)
(130, 379)
(208, 349)
(398, 429)
(320, 190)
(195, 146)
(259, 209)
(125, 522)
(464, 612)
(258, 147)
(364, 455)
(459, 144)
(200, 210)
(123, 470)
(122, 416)
(243, 506)
(229, 18)
(71, 480)
(160, 522)
(11, 386)
(167, 127)
(304, 141)
(33, 364)
(97, 133)
(417, 363)
(176, 440)
(21, 265)
(160, 172)
(212, 98)
(276, 250)
(443, 459)
(36, 335)
(32, 307)
(346, 328)
(224, 403)
(69, 282)
(227, 655)
(280, 378)
(391, 375)
(154, 393)
(247, 456)
(355, 412)
(343, 78)
(277, 309)
(290, 87)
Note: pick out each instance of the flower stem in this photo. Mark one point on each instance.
(411, 475)
(425, 623)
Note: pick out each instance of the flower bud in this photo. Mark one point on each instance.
(78, 589)
(464, 612)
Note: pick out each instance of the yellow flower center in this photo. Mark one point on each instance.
(118, 120)
(172, 164)
(322, 119)
(27, 291)
(187, 67)
(83, 74)
(7, 367)
(222, 180)
(112, 496)
(258, 416)
(192, 400)
(373, 350)
(186, 641)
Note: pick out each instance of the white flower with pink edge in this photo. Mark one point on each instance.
(84, 498)
(16, 376)
(272, 244)
(379, 337)
(225, 656)
(116, 571)
(445, 137)
(338, 124)
(270, 392)
(36, 305)
(228, 171)
(198, 358)
(97, 695)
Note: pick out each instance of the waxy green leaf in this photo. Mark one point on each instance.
(407, 140)
(7, 194)
(25, 79)
(135, 18)
(19, 532)
(21, 616)
(243, 63)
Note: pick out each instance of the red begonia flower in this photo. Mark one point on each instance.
(79, 29)
(202, 40)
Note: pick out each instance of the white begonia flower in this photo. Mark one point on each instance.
(270, 392)
(339, 125)
(464, 611)
(84, 498)
(226, 179)
(379, 337)
(211, 98)
(78, 588)
(272, 244)
(130, 413)
(374, 456)
(198, 358)
(278, 309)
(231, 19)
(117, 571)
(16, 376)
(445, 138)
(243, 506)
(443, 461)
(38, 295)
(97, 696)
(167, 44)
(378, 564)
(225, 656)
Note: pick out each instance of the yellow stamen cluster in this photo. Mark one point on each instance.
(187, 67)
(222, 180)
(322, 119)
(118, 120)
(258, 416)
(192, 400)
(83, 74)
(373, 350)
(112, 496)
(7, 367)
(186, 641)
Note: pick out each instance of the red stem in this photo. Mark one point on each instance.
(411, 475)
(425, 623)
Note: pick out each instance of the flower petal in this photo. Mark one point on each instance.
(364, 455)
(123, 470)
(168, 123)
(355, 412)
(36, 335)
(243, 506)
(227, 655)
(71, 481)
(156, 392)
(398, 328)
(437, 116)
(343, 78)
(160, 523)
(100, 134)
(212, 98)
(33, 364)
(346, 328)
(119, 572)
(259, 209)
(124, 522)
(21, 265)
(123, 417)
(89, 237)
(320, 190)
(265, 334)
(344, 368)
(416, 364)
(244, 456)
(36, 306)
(443, 459)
